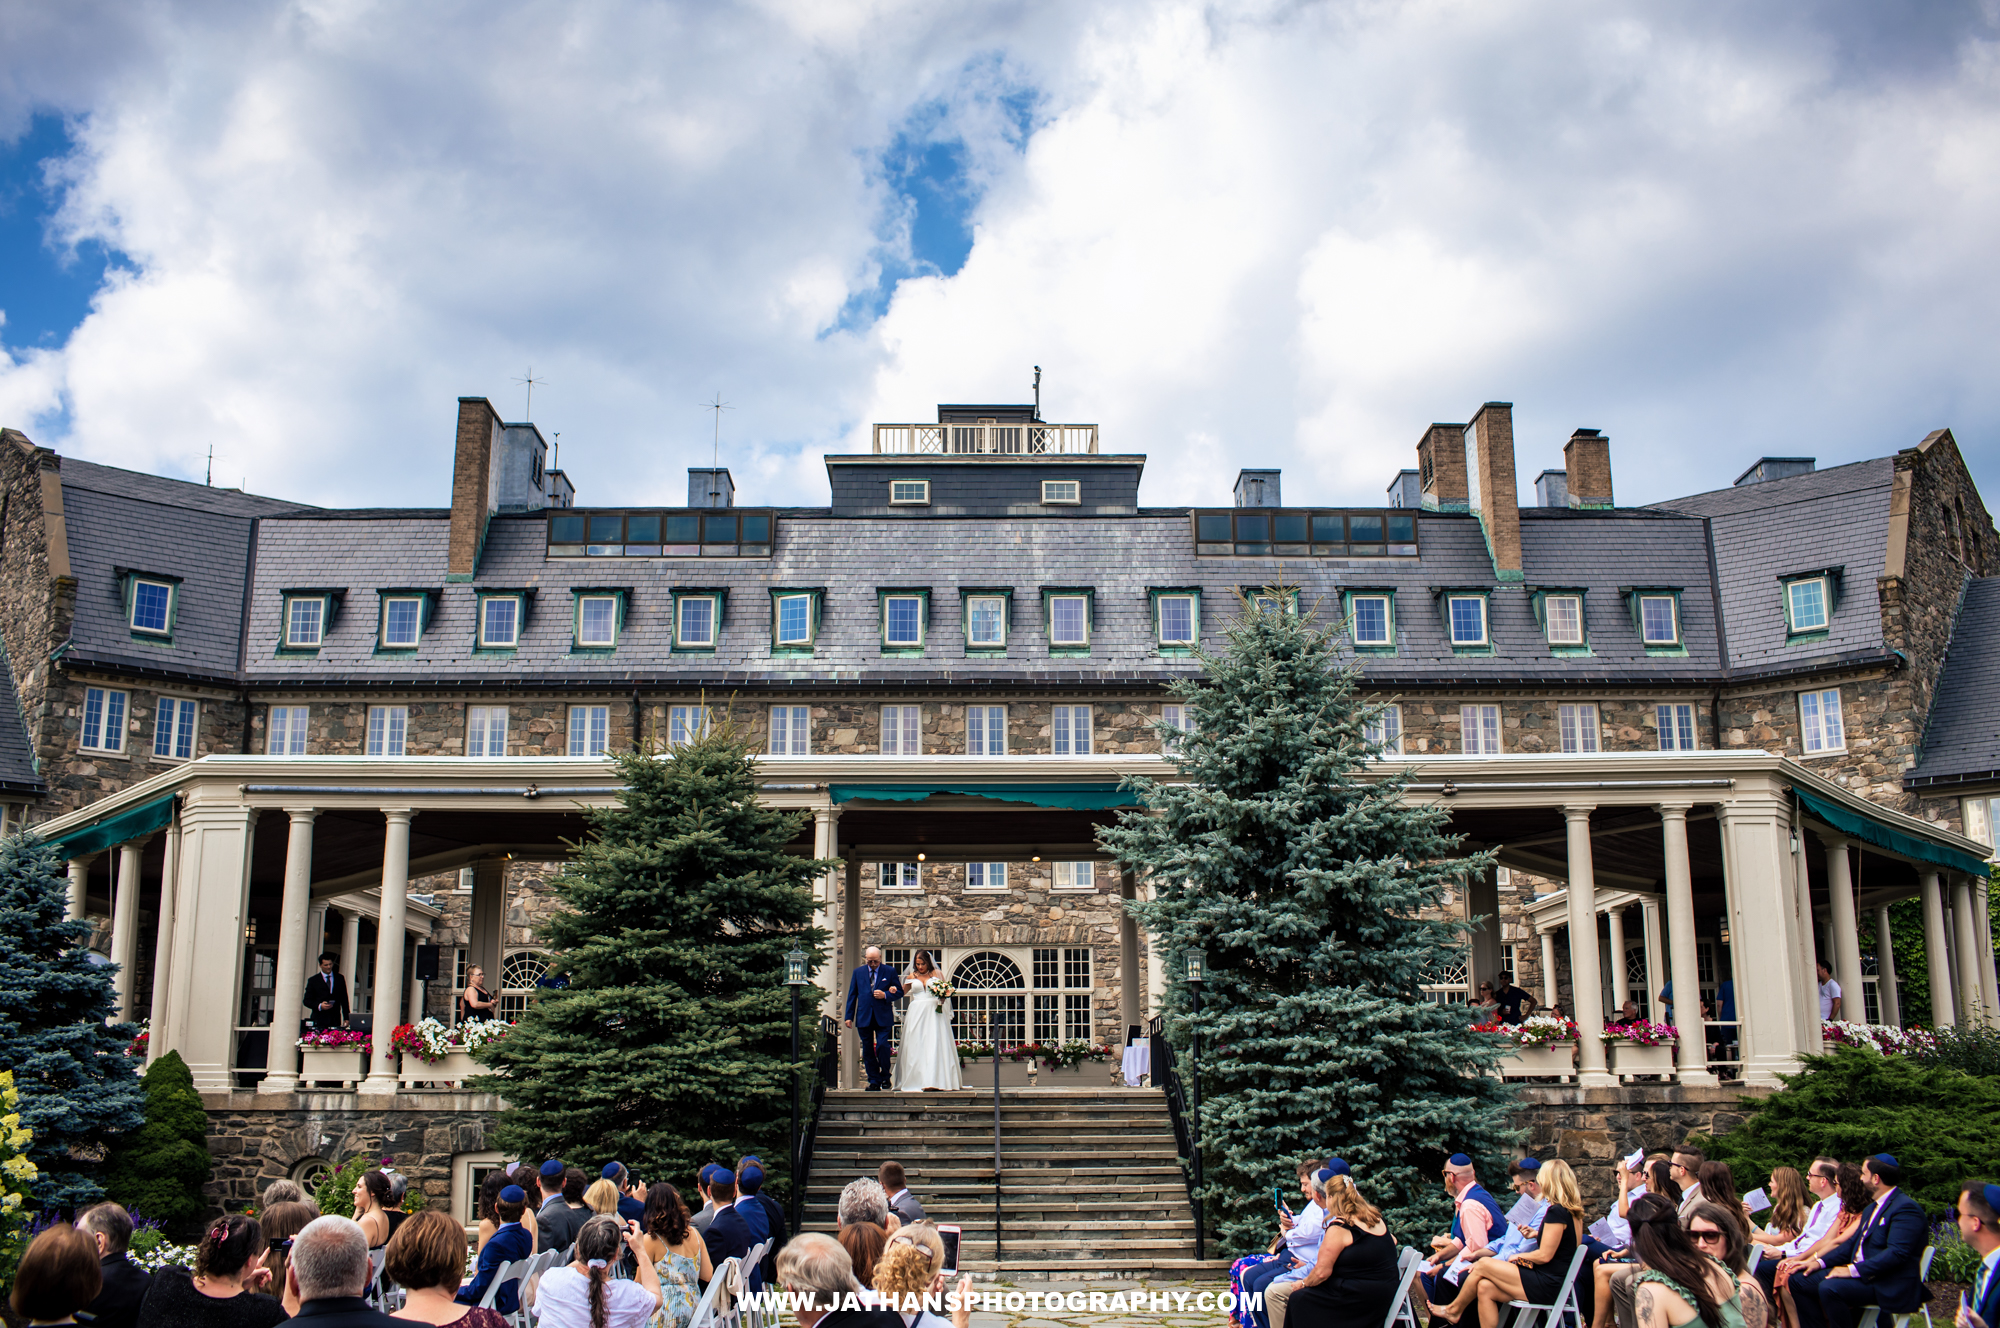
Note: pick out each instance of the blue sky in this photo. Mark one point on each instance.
(1233, 232)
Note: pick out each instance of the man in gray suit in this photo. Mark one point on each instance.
(557, 1222)
(901, 1202)
(707, 1213)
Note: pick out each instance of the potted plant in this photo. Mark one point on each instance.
(1022, 1064)
(1640, 1047)
(435, 1054)
(333, 1055)
(1541, 1046)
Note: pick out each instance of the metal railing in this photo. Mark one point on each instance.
(986, 439)
(1166, 1075)
(825, 1072)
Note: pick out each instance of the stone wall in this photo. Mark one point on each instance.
(77, 777)
(1591, 1128)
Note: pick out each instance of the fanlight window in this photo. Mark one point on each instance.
(981, 978)
(519, 972)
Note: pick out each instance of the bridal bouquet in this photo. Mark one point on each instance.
(944, 991)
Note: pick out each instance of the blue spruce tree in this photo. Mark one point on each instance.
(1317, 897)
(79, 1090)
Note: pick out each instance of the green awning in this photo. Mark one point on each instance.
(126, 826)
(1076, 797)
(1850, 822)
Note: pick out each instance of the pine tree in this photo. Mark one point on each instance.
(159, 1168)
(1316, 897)
(78, 1088)
(671, 1045)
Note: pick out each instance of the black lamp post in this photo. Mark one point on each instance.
(1197, 974)
(795, 977)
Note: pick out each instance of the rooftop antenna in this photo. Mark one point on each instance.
(715, 457)
(557, 463)
(1038, 391)
(531, 380)
(209, 479)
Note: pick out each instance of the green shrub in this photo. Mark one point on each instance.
(1941, 1124)
(159, 1168)
(335, 1194)
(1972, 1050)
(1955, 1261)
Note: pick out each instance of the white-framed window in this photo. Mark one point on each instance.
(1979, 818)
(1179, 718)
(912, 493)
(1069, 620)
(1076, 875)
(402, 621)
(791, 728)
(1576, 728)
(986, 621)
(1385, 730)
(687, 723)
(1479, 729)
(694, 621)
(990, 876)
(794, 620)
(305, 621)
(1659, 620)
(1468, 619)
(597, 620)
(902, 730)
(388, 728)
(285, 731)
(485, 732)
(1563, 616)
(903, 621)
(1069, 730)
(986, 730)
(152, 606)
(1807, 605)
(174, 729)
(589, 730)
(500, 622)
(104, 711)
(1820, 726)
(1065, 492)
(904, 876)
(520, 972)
(1176, 620)
(1370, 623)
(1676, 727)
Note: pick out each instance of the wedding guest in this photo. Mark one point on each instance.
(601, 1198)
(1534, 1275)
(489, 1194)
(1789, 1201)
(586, 1294)
(901, 1201)
(1297, 1246)
(864, 1243)
(225, 1290)
(108, 1227)
(678, 1253)
(707, 1212)
(1854, 1202)
(371, 1207)
(1823, 1186)
(426, 1257)
(1477, 1214)
(728, 1235)
(329, 1276)
(1877, 1265)
(556, 1223)
(1718, 1185)
(58, 1275)
(1979, 1227)
(816, 1266)
(1831, 1003)
(1686, 1171)
(1485, 1008)
(282, 1191)
(475, 1002)
(1660, 1180)
(325, 998)
(1676, 1284)
(773, 1210)
(761, 1213)
(911, 1268)
(510, 1243)
(631, 1208)
(1353, 1278)
(281, 1224)
(863, 1200)
(1514, 1003)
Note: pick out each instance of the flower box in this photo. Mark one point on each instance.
(345, 1066)
(1014, 1074)
(1543, 1060)
(1628, 1060)
(449, 1070)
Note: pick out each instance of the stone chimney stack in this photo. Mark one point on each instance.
(1441, 467)
(1489, 467)
(1587, 462)
(475, 485)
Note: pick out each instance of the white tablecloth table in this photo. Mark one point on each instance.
(1138, 1062)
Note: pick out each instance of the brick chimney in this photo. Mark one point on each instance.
(1441, 467)
(475, 485)
(1587, 461)
(1489, 464)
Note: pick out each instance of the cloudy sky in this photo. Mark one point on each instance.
(1253, 233)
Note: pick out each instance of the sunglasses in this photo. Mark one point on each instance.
(1703, 1237)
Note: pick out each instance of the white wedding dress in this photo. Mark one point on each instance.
(927, 1055)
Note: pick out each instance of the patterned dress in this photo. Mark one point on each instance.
(680, 1290)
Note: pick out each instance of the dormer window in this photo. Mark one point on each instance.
(152, 606)
(499, 622)
(1177, 618)
(597, 621)
(1562, 615)
(910, 493)
(1468, 620)
(1371, 620)
(1805, 604)
(305, 620)
(1062, 492)
(1659, 620)
(1068, 619)
(402, 621)
(697, 618)
(986, 619)
(903, 620)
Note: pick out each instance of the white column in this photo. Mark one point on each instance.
(1971, 996)
(1846, 931)
(1621, 977)
(125, 926)
(1777, 1004)
(389, 949)
(163, 941)
(350, 950)
(282, 1076)
(1548, 969)
(1989, 984)
(79, 885)
(1129, 976)
(850, 958)
(1649, 920)
(1885, 970)
(826, 844)
(416, 1012)
(1683, 959)
(1583, 962)
(207, 966)
(1944, 1011)
(315, 936)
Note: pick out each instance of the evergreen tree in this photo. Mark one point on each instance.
(671, 1045)
(78, 1087)
(159, 1168)
(1308, 889)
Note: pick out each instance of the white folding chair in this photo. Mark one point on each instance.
(372, 1294)
(1902, 1319)
(754, 1317)
(712, 1311)
(1564, 1303)
(1401, 1310)
(535, 1266)
(507, 1272)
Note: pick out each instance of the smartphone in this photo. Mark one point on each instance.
(1278, 1198)
(949, 1234)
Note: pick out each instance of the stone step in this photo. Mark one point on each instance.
(973, 1173)
(1028, 1222)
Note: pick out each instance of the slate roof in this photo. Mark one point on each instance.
(1838, 517)
(17, 755)
(1119, 557)
(1962, 740)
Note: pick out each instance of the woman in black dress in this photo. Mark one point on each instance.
(1532, 1275)
(474, 1002)
(1354, 1279)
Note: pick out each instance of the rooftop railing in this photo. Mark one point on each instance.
(986, 439)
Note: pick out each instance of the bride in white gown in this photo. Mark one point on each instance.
(927, 1055)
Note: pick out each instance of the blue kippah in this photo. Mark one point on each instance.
(1993, 1197)
(752, 1160)
(611, 1170)
(1460, 1160)
(513, 1194)
(1885, 1159)
(708, 1173)
(1531, 1164)
(752, 1179)
(1334, 1167)
(552, 1169)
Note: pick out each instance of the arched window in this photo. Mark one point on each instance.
(989, 984)
(519, 972)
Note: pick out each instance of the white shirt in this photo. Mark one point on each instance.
(1621, 1227)
(1828, 990)
(1818, 1222)
(1303, 1240)
(563, 1300)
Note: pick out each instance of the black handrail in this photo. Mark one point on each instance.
(1167, 1077)
(825, 1070)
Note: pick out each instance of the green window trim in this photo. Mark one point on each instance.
(128, 586)
(621, 598)
(524, 600)
(720, 596)
(1635, 597)
(1348, 597)
(330, 603)
(1538, 600)
(1831, 578)
(1442, 597)
(922, 594)
(1175, 649)
(426, 606)
(1069, 649)
(1005, 594)
(815, 609)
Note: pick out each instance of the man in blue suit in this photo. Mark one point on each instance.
(1877, 1265)
(729, 1236)
(1979, 1223)
(510, 1243)
(871, 992)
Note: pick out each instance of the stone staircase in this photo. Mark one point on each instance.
(1090, 1183)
